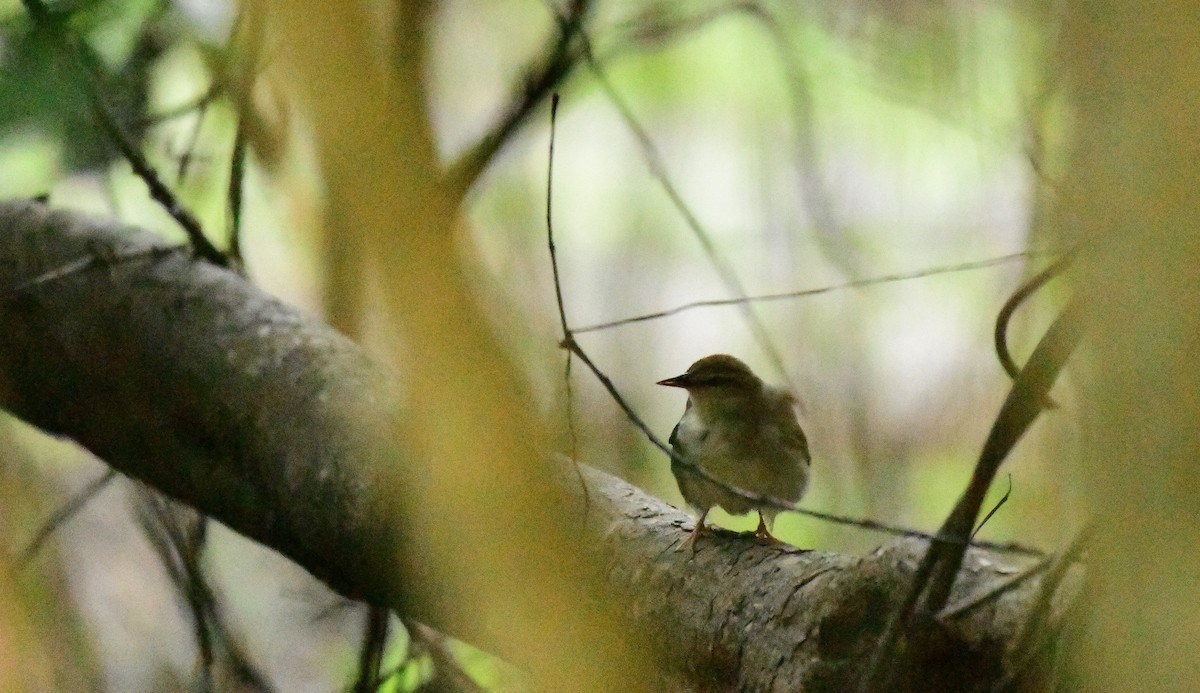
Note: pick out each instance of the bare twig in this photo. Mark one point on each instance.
(237, 174)
(249, 31)
(1024, 403)
(179, 548)
(1000, 336)
(541, 79)
(204, 100)
(91, 75)
(95, 260)
(370, 656)
(189, 152)
(562, 311)
(999, 504)
(179, 536)
(62, 515)
(1057, 565)
(447, 671)
(1011, 582)
(856, 284)
(655, 27)
(1026, 645)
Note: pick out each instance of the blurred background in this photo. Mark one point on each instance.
(710, 150)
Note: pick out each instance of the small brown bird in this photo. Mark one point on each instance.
(744, 433)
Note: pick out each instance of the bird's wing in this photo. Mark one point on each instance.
(793, 435)
(789, 428)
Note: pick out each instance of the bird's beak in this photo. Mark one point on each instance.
(677, 381)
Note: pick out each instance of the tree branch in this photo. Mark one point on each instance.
(187, 377)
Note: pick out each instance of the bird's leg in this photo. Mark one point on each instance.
(690, 542)
(762, 532)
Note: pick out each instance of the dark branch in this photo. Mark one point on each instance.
(91, 78)
(936, 574)
(542, 78)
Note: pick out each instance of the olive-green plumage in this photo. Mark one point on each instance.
(741, 431)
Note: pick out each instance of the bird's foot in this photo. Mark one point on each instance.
(763, 533)
(689, 543)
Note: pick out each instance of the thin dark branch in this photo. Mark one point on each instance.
(856, 284)
(62, 515)
(92, 77)
(179, 536)
(1021, 408)
(1000, 336)
(999, 504)
(939, 566)
(93, 261)
(558, 296)
(237, 174)
(541, 79)
(179, 553)
(562, 311)
(202, 101)
(370, 655)
(953, 611)
(1039, 611)
(248, 32)
(448, 674)
(189, 152)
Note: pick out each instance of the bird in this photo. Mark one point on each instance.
(742, 432)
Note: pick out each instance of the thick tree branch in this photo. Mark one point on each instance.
(187, 377)
(183, 375)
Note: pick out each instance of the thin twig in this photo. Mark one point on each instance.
(999, 504)
(248, 31)
(856, 284)
(202, 101)
(97, 259)
(189, 152)
(1000, 335)
(541, 79)
(448, 673)
(995, 591)
(1024, 404)
(62, 515)
(162, 525)
(562, 311)
(1023, 648)
(91, 75)
(179, 536)
(653, 29)
(370, 655)
(237, 174)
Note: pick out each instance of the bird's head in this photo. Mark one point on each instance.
(719, 383)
